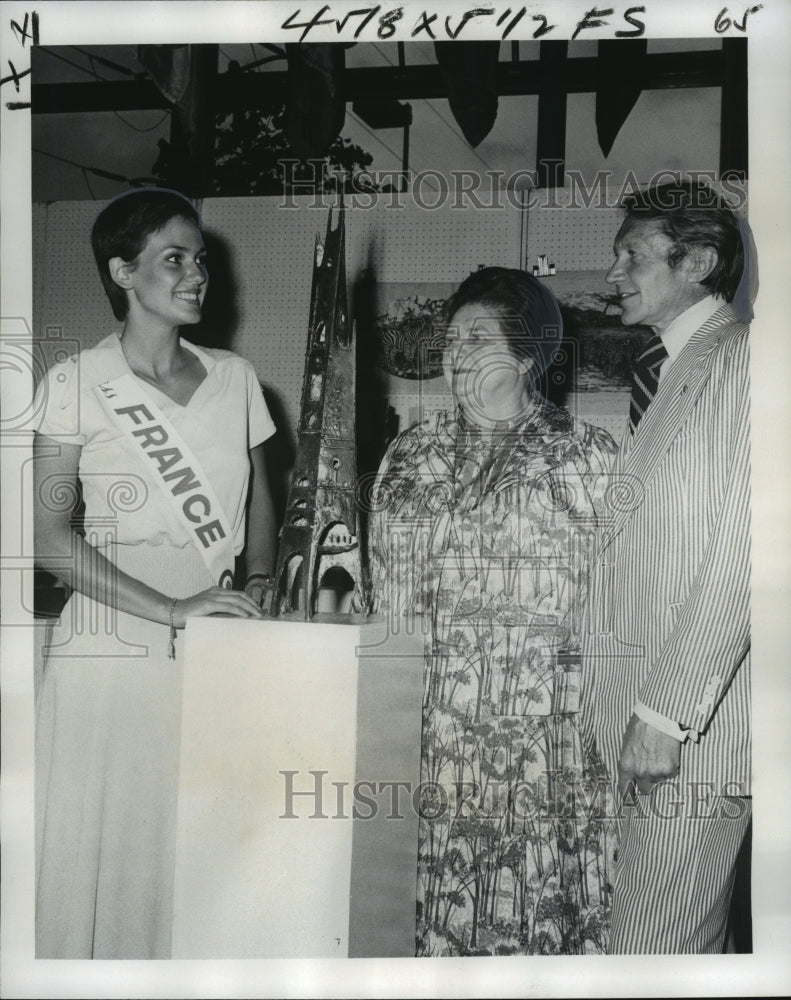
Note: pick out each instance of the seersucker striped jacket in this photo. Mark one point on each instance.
(668, 616)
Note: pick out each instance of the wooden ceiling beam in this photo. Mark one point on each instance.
(663, 70)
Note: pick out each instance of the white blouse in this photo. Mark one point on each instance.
(224, 419)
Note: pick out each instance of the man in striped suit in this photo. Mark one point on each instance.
(666, 648)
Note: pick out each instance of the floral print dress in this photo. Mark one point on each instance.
(487, 538)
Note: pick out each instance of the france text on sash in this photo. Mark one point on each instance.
(178, 478)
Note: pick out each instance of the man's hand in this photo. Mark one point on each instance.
(647, 757)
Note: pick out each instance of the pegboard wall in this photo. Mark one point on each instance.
(573, 238)
(260, 264)
(68, 297)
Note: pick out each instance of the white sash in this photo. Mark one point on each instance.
(174, 468)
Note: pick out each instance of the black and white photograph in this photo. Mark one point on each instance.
(395, 453)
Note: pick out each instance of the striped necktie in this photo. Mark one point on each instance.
(645, 380)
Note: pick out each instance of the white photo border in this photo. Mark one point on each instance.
(768, 969)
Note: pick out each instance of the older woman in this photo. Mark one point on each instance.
(481, 526)
(163, 441)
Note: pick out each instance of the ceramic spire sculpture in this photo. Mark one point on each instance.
(319, 540)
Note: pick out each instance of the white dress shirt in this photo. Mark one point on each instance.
(680, 331)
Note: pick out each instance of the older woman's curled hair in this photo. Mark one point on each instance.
(528, 312)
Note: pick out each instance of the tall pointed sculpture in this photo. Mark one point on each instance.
(320, 533)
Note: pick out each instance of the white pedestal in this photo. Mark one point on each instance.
(287, 729)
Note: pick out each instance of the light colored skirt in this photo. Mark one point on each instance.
(108, 724)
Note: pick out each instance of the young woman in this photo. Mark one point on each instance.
(482, 523)
(163, 442)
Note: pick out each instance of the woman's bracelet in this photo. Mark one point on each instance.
(265, 578)
(172, 642)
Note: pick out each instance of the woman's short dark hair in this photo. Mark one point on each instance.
(692, 215)
(528, 312)
(124, 225)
